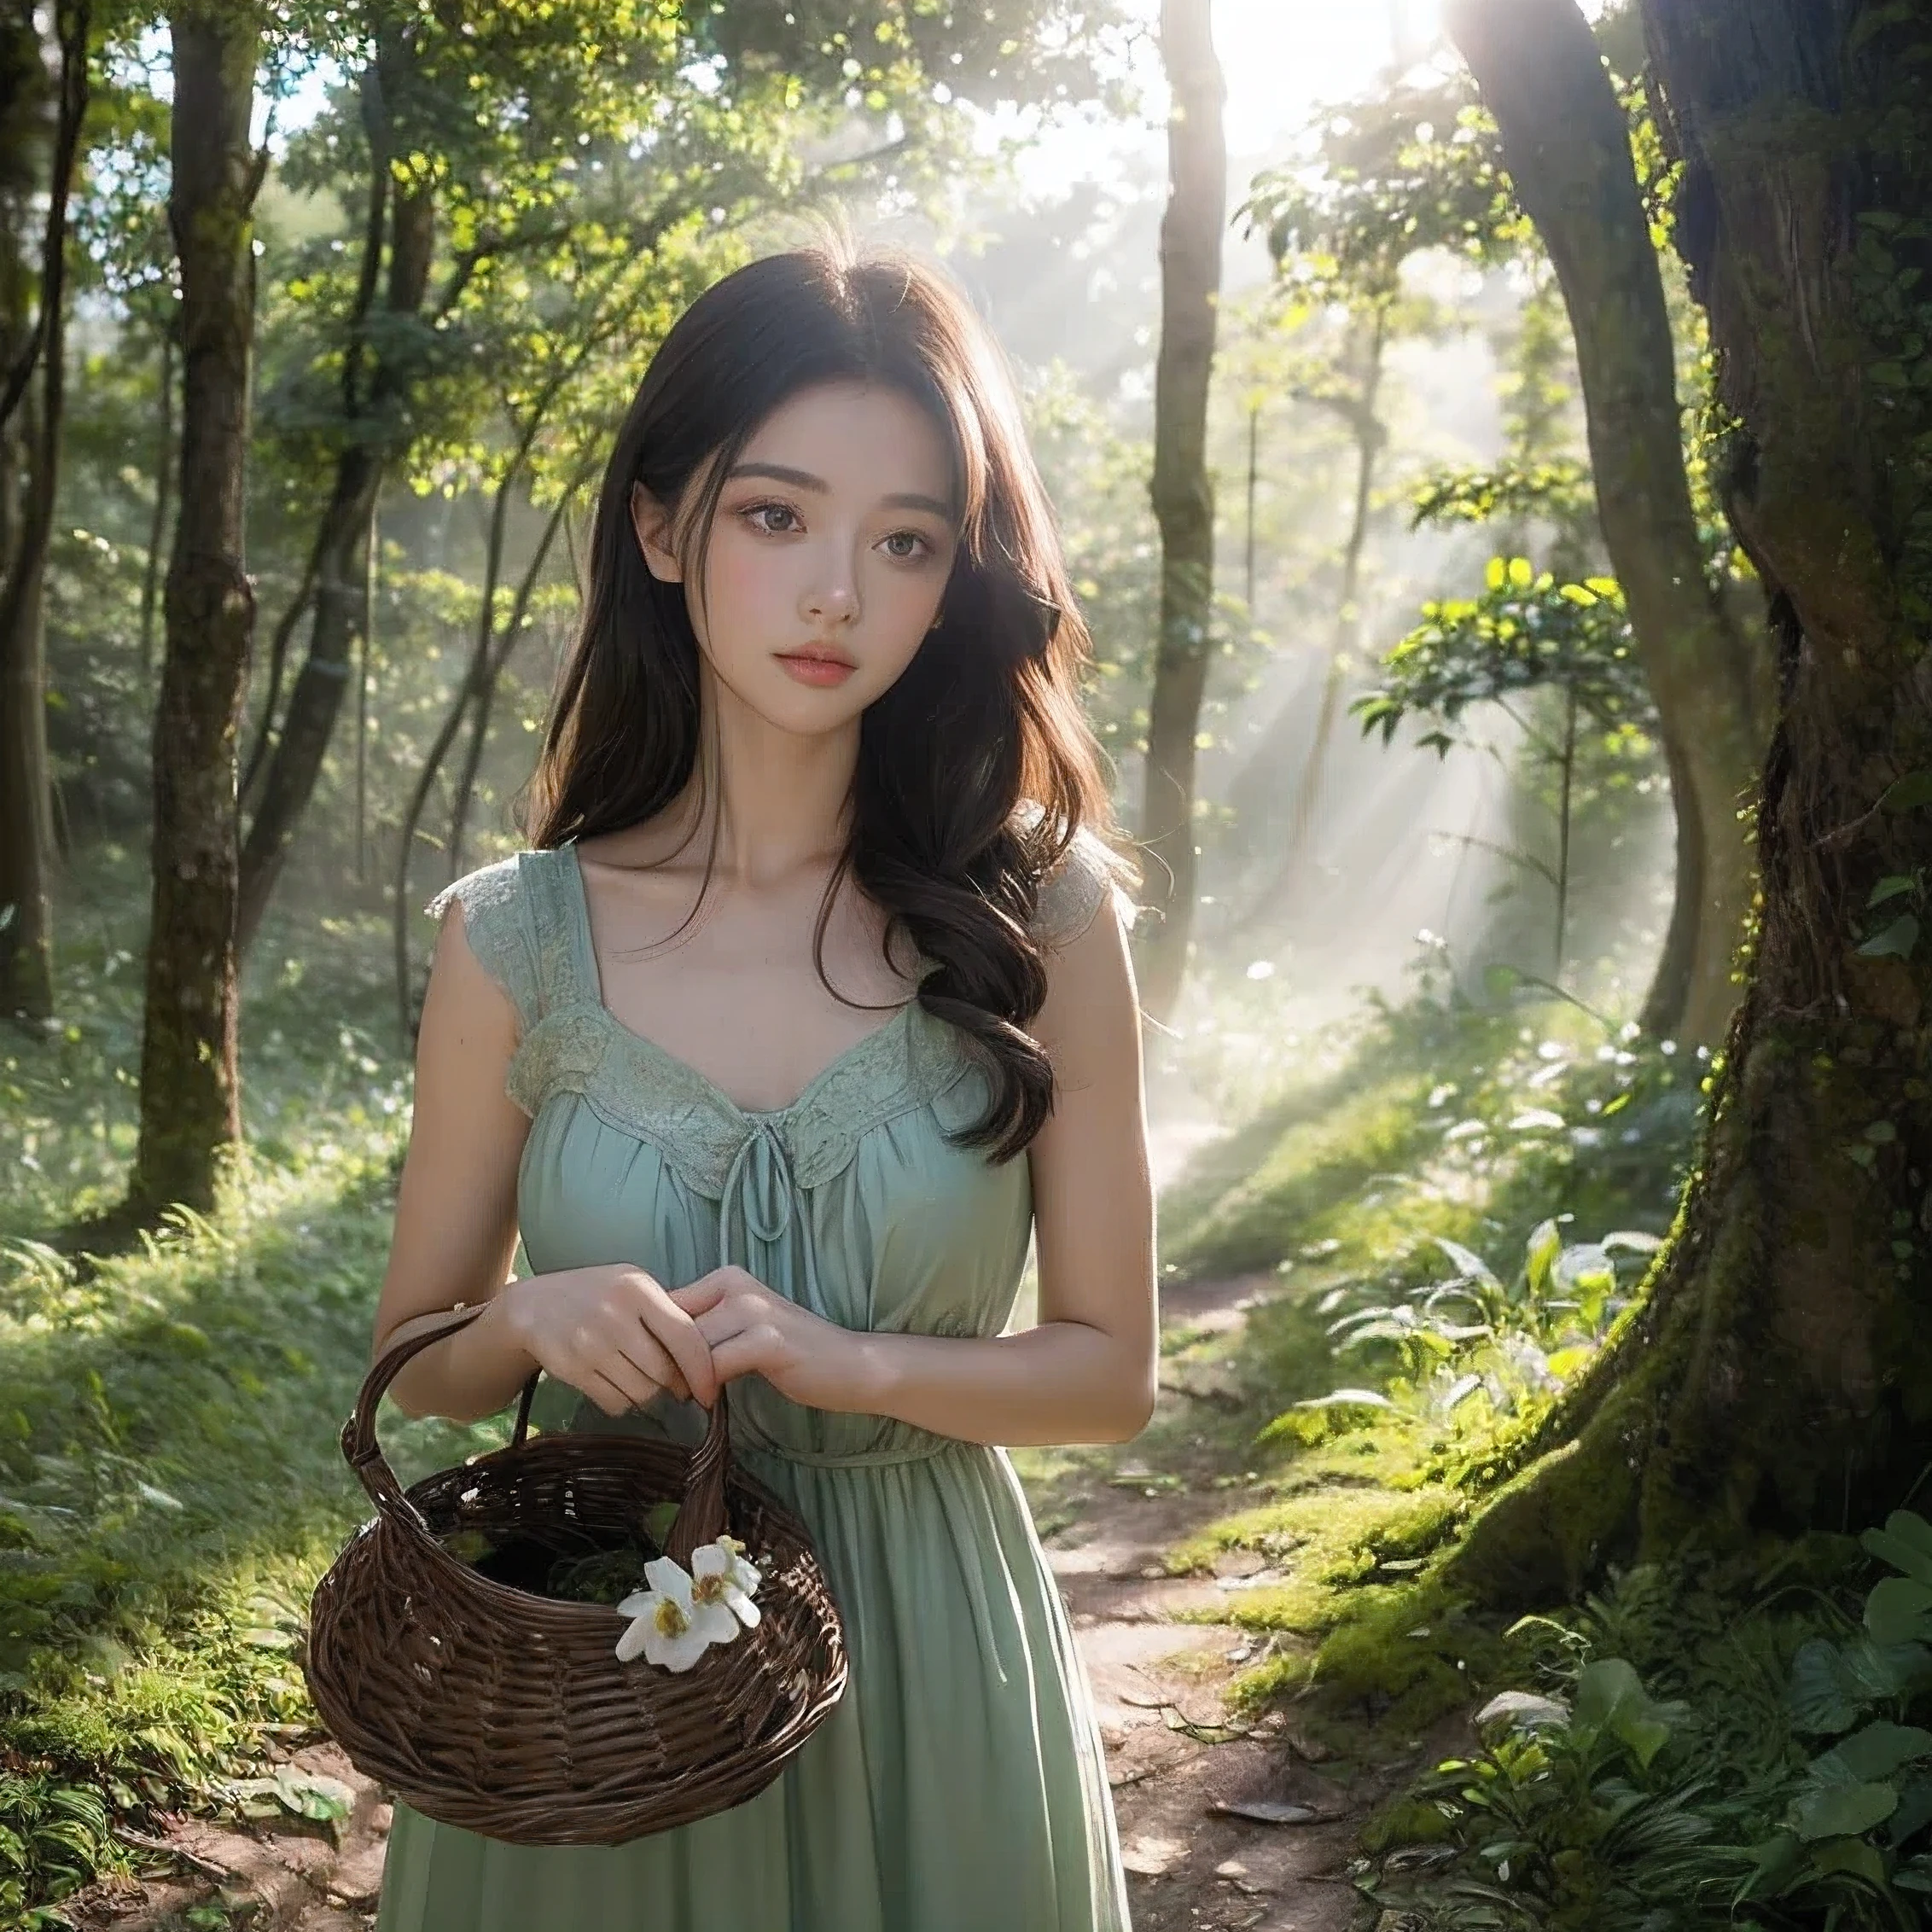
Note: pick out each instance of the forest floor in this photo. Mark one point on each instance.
(1225, 1821)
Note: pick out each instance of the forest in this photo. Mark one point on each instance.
(1493, 444)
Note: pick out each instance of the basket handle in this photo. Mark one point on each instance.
(700, 1516)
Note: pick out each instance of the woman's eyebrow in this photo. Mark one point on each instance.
(804, 479)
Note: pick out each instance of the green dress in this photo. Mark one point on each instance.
(958, 1785)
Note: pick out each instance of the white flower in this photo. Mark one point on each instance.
(721, 1575)
(671, 1624)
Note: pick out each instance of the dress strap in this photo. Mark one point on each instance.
(566, 961)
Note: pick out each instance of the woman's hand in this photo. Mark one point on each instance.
(750, 1331)
(614, 1332)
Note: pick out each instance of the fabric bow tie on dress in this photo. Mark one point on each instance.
(757, 1198)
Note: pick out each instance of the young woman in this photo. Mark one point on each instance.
(799, 1019)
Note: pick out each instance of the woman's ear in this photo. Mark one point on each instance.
(652, 522)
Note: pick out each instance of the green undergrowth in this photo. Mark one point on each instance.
(171, 1484)
(171, 1487)
(1425, 1221)
(1714, 1744)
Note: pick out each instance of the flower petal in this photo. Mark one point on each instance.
(669, 1578)
(638, 1635)
(718, 1624)
(708, 1560)
(675, 1653)
(638, 1604)
(747, 1612)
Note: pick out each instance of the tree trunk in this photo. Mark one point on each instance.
(1668, 1000)
(1567, 145)
(158, 524)
(1183, 493)
(1777, 1375)
(27, 806)
(289, 775)
(190, 1085)
(288, 778)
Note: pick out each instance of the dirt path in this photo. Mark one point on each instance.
(1222, 1826)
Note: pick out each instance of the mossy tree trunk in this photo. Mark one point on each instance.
(1567, 145)
(32, 420)
(190, 1081)
(1779, 1374)
(1183, 494)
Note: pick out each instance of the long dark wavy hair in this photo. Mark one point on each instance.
(977, 768)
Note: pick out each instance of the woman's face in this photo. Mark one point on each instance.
(832, 544)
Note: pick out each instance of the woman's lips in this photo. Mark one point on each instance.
(812, 670)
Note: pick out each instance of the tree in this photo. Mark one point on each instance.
(1183, 491)
(1567, 144)
(1777, 1374)
(33, 355)
(190, 1082)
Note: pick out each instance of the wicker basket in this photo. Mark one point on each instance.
(507, 1713)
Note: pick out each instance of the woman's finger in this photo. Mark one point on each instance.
(726, 1320)
(746, 1353)
(643, 1350)
(605, 1394)
(636, 1383)
(678, 1334)
(701, 1296)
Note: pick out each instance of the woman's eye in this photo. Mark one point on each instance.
(759, 514)
(905, 545)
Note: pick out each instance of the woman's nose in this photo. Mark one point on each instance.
(831, 596)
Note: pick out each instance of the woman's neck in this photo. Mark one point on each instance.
(780, 800)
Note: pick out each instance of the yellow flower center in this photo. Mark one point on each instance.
(709, 1589)
(670, 1618)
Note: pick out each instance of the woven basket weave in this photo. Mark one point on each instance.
(507, 1713)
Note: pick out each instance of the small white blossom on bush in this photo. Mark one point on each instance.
(721, 1575)
(671, 1624)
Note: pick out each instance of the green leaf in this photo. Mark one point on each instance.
(1611, 1700)
(1896, 1611)
(1824, 1696)
(1853, 1855)
(312, 1793)
(1914, 1813)
(1832, 1685)
(1897, 940)
(1878, 1751)
(1545, 1244)
(1841, 1810)
(1467, 1262)
(1889, 887)
(1904, 1543)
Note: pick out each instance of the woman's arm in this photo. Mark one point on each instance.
(456, 1204)
(1086, 1372)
